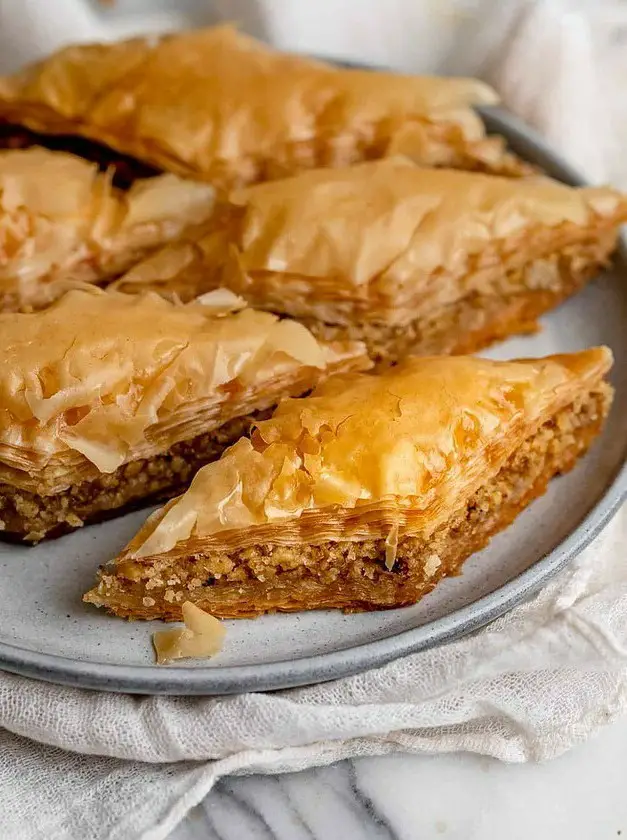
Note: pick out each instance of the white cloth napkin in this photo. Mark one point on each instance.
(77, 764)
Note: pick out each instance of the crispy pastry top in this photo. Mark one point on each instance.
(371, 455)
(106, 377)
(384, 240)
(217, 103)
(60, 217)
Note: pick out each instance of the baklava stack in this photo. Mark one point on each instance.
(108, 401)
(367, 217)
(408, 260)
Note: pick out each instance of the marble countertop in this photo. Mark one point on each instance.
(579, 796)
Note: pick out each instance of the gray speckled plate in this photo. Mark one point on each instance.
(46, 632)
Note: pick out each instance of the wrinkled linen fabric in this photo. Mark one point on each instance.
(77, 764)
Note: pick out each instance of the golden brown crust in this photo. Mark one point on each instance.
(364, 455)
(353, 575)
(479, 320)
(218, 104)
(101, 378)
(60, 218)
(126, 169)
(387, 248)
(31, 515)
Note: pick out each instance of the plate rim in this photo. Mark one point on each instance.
(232, 679)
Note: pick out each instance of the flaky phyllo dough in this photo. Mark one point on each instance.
(217, 104)
(332, 500)
(60, 219)
(405, 258)
(101, 379)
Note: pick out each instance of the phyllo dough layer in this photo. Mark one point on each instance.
(108, 399)
(219, 105)
(364, 494)
(410, 260)
(60, 219)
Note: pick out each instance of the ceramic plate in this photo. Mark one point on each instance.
(48, 633)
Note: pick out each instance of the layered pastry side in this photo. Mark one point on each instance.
(219, 105)
(406, 259)
(111, 401)
(61, 219)
(365, 494)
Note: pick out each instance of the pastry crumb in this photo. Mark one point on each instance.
(202, 636)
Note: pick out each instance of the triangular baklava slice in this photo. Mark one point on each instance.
(217, 104)
(409, 260)
(60, 218)
(366, 493)
(110, 401)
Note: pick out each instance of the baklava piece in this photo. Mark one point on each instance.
(408, 260)
(365, 494)
(110, 401)
(60, 219)
(217, 104)
(124, 169)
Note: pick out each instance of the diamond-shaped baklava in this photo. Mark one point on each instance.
(109, 401)
(219, 105)
(60, 219)
(409, 260)
(366, 493)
